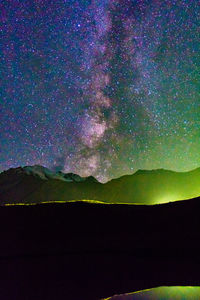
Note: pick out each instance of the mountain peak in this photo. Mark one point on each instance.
(46, 174)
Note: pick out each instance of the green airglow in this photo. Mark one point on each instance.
(168, 198)
(164, 293)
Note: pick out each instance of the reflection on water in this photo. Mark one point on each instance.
(164, 293)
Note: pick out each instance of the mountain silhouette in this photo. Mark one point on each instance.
(37, 184)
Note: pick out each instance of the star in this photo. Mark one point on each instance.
(100, 88)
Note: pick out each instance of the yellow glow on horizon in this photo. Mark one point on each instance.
(168, 198)
(69, 201)
(163, 201)
(51, 202)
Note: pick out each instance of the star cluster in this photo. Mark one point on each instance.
(100, 87)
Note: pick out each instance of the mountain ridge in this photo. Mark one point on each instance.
(36, 184)
(46, 173)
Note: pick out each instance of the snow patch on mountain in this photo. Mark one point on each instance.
(46, 174)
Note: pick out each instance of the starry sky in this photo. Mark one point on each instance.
(100, 87)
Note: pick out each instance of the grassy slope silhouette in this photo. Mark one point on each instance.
(89, 251)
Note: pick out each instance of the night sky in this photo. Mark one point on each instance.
(100, 87)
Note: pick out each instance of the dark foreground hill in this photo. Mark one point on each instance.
(84, 251)
(37, 184)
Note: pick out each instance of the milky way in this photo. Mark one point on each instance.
(100, 88)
